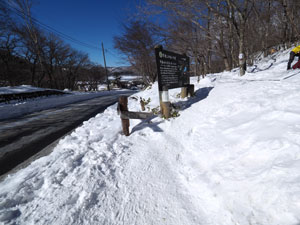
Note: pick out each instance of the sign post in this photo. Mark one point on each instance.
(173, 72)
(165, 102)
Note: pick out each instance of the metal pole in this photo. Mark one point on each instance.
(107, 81)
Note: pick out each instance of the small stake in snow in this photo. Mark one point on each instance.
(126, 115)
(142, 105)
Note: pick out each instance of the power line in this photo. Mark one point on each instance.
(112, 54)
(53, 30)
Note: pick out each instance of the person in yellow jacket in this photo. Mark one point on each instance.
(294, 52)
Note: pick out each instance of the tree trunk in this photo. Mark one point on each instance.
(242, 57)
(231, 40)
(223, 50)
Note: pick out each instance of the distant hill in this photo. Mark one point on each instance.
(121, 70)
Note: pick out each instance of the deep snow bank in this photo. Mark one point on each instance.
(231, 157)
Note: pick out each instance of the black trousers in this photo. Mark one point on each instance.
(292, 57)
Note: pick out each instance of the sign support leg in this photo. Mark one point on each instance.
(184, 92)
(191, 90)
(165, 103)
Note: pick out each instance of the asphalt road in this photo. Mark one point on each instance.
(22, 138)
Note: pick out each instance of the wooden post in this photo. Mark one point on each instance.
(191, 90)
(123, 101)
(165, 103)
(184, 91)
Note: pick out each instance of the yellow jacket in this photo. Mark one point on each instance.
(296, 50)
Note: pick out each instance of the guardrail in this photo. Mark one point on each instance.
(28, 95)
(125, 115)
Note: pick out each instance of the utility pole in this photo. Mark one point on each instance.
(107, 81)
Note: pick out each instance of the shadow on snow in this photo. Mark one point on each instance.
(200, 94)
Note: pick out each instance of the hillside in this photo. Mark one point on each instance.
(231, 157)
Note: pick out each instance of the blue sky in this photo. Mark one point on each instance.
(89, 21)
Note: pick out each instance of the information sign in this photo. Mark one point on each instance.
(172, 69)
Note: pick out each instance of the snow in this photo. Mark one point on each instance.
(19, 89)
(231, 157)
(127, 77)
(16, 108)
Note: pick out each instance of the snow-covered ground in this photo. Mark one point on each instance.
(20, 89)
(17, 108)
(231, 157)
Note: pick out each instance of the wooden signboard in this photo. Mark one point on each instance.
(172, 69)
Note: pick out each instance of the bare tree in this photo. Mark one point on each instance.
(33, 32)
(72, 68)
(92, 77)
(35, 54)
(226, 21)
(237, 13)
(137, 44)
